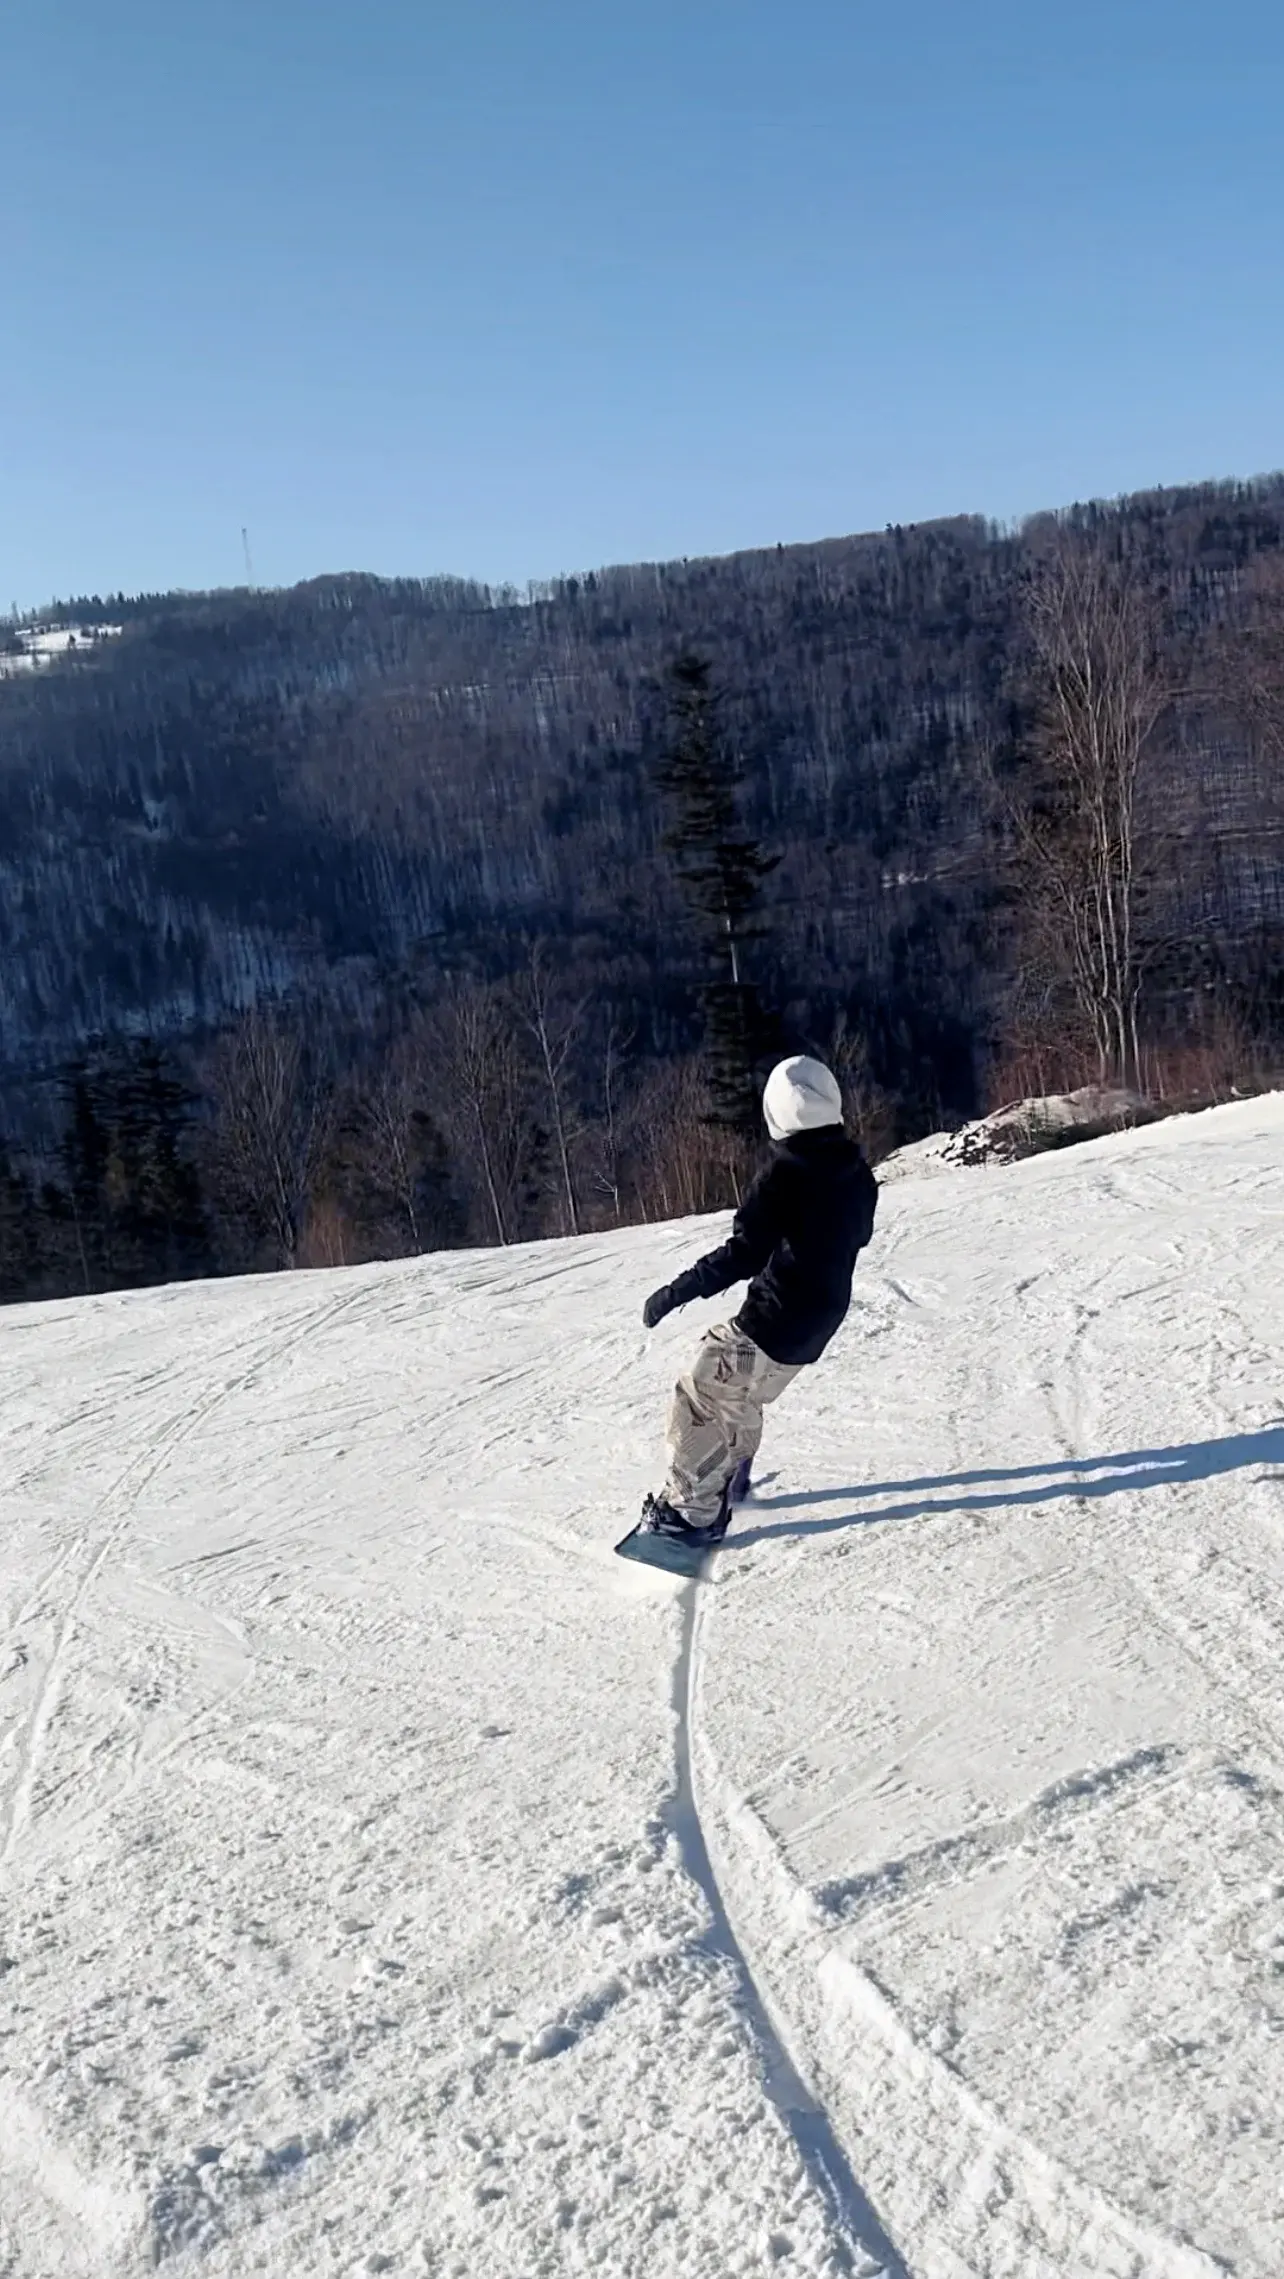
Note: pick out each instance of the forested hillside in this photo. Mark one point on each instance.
(365, 802)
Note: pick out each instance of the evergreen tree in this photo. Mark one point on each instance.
(721, 867)
(86, 1153)
(132, 1199)
(160, 1211)
(21, 1258)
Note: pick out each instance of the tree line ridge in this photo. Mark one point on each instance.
(398, 855)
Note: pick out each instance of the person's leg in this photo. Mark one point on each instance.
(766, 1384)
(715, 1420)
(697, 1431)
(770, 1380)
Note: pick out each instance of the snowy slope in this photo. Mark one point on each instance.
(41, 645)
(395, 1881)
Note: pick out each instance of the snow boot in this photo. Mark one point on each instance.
(660, 1518)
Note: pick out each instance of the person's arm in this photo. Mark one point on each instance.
(755, 1231)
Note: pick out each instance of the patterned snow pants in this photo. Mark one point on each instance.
(715, 1418)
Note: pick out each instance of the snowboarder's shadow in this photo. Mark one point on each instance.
(1081, 1477)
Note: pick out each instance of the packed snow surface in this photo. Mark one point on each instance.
(394, 1880)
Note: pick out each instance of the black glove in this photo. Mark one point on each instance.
(660, 1303)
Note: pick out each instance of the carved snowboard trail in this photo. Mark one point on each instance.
(864, 2249)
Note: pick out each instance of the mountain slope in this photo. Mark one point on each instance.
(348, 787)
(394, 1880)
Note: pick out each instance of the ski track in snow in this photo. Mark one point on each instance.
(863, 2246)
(87, 1555)
(940, 1912)
(393, 1880)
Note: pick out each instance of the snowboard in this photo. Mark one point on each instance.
(668, 1552)
(674, 1557)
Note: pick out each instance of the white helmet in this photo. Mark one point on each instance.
(800, 1096)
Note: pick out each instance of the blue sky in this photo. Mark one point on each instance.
(513, 287)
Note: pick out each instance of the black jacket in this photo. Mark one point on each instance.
(796, 1234)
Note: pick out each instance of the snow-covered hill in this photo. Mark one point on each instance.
(36, 646)
(395, 1881)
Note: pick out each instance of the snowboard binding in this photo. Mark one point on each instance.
(663, 1538)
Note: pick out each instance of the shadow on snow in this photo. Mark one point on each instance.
(1078, 1477)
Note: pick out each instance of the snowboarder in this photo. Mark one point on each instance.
(795, 1238)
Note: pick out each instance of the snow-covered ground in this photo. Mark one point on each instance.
(393, 1880)
(1023, 1127)
(40, 645)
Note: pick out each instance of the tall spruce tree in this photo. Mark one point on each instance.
(86, 1157)
(132, 1199)
(21, 1259)
(721, 867)
(160, 1209)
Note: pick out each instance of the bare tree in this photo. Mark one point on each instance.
(393, 1114)
(678, 1157)
(270, 1121)
(554, 1024)
(482, 1095)
(390, 1154)
(1101, 690)
(608, 1174)
(866, 1106)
